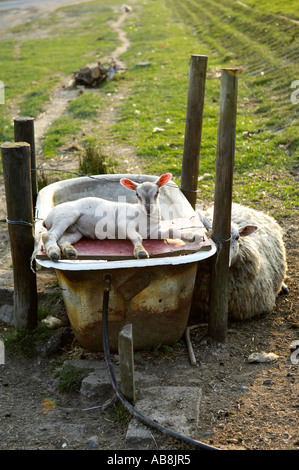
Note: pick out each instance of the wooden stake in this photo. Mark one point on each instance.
(17, 179)
(24, 132)
(126, 362)
(193, 129)
(189, 347)
(221, 230)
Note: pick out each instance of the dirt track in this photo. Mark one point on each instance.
(15, 13)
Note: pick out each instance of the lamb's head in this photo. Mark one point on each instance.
(236, 233)
(147, 193)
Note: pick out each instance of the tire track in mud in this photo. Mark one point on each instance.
(65, 93)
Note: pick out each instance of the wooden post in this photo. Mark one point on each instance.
(193, 129)
(24, 132)
(221, 229)
(126, 362)
(17, 179)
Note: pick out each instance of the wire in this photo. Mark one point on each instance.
(64, 171)
(120, 396)
(18, 222)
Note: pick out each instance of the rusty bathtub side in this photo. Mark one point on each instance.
(155, 302)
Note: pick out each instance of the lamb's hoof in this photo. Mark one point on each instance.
(69, 252)
(142, 254)
(194, 238)
(72, 254)
(54, 256)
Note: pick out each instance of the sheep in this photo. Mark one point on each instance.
(97, 218)
(257, 266)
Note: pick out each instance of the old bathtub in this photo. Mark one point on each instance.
(153, 294)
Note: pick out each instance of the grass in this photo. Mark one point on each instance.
(26, 343)
(288, 9)
(118, 414)
(266, 49)
(152, 117)
(94, 162)
(30, 68)
(69, 379)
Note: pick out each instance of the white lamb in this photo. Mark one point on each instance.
(257, 266)
(97, 218)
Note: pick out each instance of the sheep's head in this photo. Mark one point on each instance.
(147, 193)
(236, 233)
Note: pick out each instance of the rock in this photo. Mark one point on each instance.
(143, 64)
(139, 436)
(267, 382)
(96, 382)
(52, 322)
(95, 386)
(262, 357)
(56, 342)
(6, 296)
(93, 442)
(294, 345)
(7, 314)
(183, 407)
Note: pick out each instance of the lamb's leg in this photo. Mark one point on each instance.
(173, 233)
(66, 241)
(59, 225)
(136, 239)
(139, 250)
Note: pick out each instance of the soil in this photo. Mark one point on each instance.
(241, 405)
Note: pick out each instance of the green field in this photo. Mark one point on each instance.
(261, 38)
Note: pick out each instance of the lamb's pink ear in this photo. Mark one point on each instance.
(164, 179)
(128, 184)
(248, 230)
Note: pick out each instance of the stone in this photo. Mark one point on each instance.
(96, 383)
(53, 322)
(139, 436)
(294, 345)
(93, 442)
(96, 386)
(262, 357)
(183, 407)
(7, 314)
(267, 382)
(57, 341)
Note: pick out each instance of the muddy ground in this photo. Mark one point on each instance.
(223, 400)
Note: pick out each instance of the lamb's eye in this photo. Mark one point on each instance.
(237, 237)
